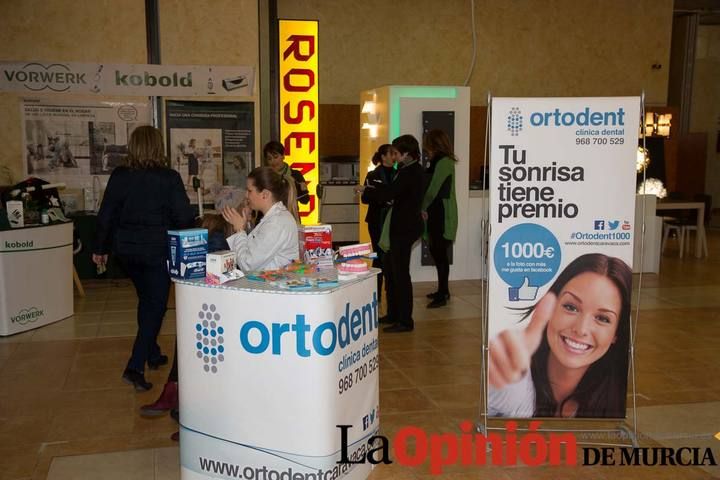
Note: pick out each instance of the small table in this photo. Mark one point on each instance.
(35, 276)
(700, 207)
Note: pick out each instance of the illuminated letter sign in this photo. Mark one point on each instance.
(299, 105)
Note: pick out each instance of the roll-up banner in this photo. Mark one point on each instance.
(562, 203)
(299, 105)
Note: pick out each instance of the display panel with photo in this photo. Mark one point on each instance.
(72, 142)
(562, 220)
(196, 154)
(211, 144)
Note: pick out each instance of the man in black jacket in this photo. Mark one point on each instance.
(401, 230)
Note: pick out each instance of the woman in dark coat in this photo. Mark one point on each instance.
(143, 200)
(440, 209)
(382, 175)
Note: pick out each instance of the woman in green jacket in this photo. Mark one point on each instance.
(439, 209)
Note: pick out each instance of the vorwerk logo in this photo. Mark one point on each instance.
(209, 338)
(514, 121)
(27, 315)
(37, 77)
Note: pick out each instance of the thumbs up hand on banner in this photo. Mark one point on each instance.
(510, 352)
(527, 292)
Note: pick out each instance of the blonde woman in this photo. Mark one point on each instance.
(143, 200)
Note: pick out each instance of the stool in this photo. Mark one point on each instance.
(703, 239)
(679, 230)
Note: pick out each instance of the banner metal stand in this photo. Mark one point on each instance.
(623, 429)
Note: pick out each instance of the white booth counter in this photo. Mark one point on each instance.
(36, 282)
(267, 374)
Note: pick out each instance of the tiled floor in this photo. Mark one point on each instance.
(65, 414)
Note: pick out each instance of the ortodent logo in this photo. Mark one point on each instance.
(209, 338)
(515, 121)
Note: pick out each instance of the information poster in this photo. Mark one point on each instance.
(562, 201)
(213, 142)
(66, 141)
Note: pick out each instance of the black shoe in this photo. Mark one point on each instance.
(158, 362)
(136, 379)
(437, 302)
(386, 320)
(433, 295)
(398, 328)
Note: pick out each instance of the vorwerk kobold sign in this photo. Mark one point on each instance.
(126, 79)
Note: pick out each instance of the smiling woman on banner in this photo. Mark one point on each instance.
(572, 358)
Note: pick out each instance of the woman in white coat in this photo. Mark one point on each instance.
(273, 243)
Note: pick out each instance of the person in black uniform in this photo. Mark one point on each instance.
(401, 229)
(383, 159)
(142, 201)
(193, 164)
(274, 154)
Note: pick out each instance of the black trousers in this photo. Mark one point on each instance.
(396, 263)
(152, 284)
(439, 247)
(375, 231)
(173, 375)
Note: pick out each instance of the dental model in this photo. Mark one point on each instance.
(353, 266)
(357, 250)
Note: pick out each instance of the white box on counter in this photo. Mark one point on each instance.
(220, 263)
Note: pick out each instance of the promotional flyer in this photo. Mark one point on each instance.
(278, 373)
(72, 141)
(213, 142)
(562, 201)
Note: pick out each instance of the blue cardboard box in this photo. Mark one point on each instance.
(187, 250)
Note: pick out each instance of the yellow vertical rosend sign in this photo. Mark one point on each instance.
(298, 48)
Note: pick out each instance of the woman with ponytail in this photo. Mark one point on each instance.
(273, 243)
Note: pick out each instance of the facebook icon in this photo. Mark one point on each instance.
(599, 224)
